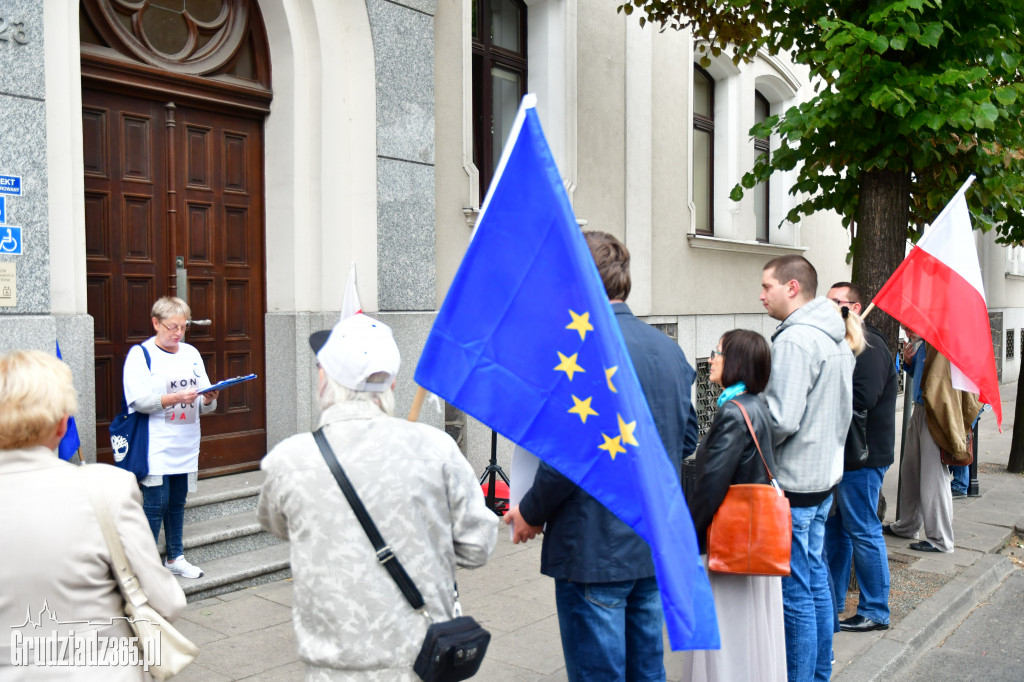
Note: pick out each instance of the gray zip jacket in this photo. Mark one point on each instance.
(810, 397)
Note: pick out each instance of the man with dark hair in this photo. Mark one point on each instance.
(810, 398)
(609, 608)
(855, 531)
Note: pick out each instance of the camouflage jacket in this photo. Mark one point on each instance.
(351, 620)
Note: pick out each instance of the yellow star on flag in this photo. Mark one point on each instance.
(580, 323)
(608, 373)
(568, 365)
(626, 431)
(611, 445)
(582, 408)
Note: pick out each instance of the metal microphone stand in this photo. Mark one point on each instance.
(491, 473)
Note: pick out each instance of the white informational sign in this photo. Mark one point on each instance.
(8, 285)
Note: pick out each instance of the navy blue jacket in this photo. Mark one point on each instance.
(584, 542)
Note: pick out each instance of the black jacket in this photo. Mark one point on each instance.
(874, 389)
(583, 541)
(727, 455)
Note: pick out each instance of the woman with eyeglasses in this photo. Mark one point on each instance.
(162, 377)
(749, 608)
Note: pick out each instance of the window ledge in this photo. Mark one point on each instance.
(699, 241)
(1011, 275)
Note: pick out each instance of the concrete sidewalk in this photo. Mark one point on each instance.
(248, 634)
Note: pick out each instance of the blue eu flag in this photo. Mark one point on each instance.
(527, 343)
(70, 443)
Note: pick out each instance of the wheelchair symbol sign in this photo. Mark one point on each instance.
(10, 241)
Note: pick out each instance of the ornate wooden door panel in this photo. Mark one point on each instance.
(164, 182)
(125, 251)
(220, 236)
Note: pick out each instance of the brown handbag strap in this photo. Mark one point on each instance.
(746, 418)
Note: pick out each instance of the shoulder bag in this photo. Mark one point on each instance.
(164, 650)
(452, 650)
(751, 533)
(129, 436)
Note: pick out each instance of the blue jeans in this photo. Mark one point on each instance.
(855, 532)
(807, 606)
(611, 631)
(961, 479)
(166, 503)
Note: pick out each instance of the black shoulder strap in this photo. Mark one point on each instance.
(385, 555)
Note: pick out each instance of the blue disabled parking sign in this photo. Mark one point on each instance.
(10, 241)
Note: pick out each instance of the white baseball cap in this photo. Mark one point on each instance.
(357, 349)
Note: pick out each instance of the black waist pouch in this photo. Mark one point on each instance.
(452, 650)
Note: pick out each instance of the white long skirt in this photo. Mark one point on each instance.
(749, 610)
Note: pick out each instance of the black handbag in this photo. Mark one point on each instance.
(452, 650)
(129, 436)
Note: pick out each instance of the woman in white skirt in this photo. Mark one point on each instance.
(749, 608)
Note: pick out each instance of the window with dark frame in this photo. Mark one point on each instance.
(703, 150)
(499, 79)
(762, 148)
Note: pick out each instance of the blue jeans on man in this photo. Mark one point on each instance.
(961, 480)
(166, 504)
(806, 599)
(592, 618)
(855, 532)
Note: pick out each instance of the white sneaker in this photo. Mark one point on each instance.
(183, 568)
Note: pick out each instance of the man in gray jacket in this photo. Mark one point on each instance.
(351, 620)
(810, 398)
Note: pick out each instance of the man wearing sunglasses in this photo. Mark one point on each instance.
(855, 531)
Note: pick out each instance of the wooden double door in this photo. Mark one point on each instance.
(170, 186)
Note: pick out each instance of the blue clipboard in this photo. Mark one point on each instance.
(220, 385)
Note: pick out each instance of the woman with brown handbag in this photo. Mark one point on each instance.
(749, 607)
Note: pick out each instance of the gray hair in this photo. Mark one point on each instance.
(332, 393)
(170, 306)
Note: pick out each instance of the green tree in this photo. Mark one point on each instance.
(910, 98)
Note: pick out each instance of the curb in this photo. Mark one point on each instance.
(929, 623)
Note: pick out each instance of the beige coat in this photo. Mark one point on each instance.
(950, 412)
(54, 555)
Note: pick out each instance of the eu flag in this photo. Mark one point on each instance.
(527, 343)
(70, 443)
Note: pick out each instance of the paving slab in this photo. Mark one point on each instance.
(241, 615)
(238, 657)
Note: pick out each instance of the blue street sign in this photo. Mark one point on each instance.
(3, 209)
(10, 184)
(10, 241)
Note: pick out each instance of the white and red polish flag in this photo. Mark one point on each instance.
(937, 292)
(350, 303)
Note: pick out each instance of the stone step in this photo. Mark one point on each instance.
(223, 496)
(222, 536)
(238, 571)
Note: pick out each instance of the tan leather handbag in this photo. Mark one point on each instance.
(751, 533)
(158, 641)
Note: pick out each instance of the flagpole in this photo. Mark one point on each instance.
(417, 403)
